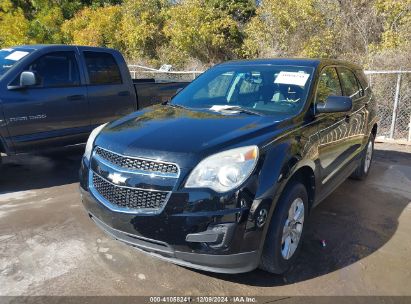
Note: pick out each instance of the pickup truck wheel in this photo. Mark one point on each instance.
(365, 162)
(284, 235)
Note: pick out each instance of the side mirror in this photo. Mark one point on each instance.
(28, 79)
(334, 104)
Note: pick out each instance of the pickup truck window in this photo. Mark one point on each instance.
(9, 57)
(262, 88)
(57, 69)
(328, 84)
(349, 83)
(102, 68)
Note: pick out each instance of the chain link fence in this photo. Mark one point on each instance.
(392, 90)
(139, 72)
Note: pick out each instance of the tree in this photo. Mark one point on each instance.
(94, 27)
(239, 10)
(142, 27)
(397, 22)
(46, 27)
(291, 28)
(14, 26)
(197, 30)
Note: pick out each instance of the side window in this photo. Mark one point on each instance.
(349, 83)
(102, 68)
(57, 69)
(328, 84)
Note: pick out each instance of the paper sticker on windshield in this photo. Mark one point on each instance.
(17, 55)
(295, 78)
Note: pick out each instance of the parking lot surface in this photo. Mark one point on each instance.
(49, 246)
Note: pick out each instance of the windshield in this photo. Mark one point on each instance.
(9, 57)
(261, 88)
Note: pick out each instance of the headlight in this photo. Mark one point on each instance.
(224, 171)
(90, 141)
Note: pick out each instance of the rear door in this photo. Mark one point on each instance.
(333, 127)
(53, 113)
(109, 88)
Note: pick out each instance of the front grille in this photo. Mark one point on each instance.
(137, 163)
(127, 197)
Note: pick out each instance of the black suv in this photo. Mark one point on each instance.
(223, 177)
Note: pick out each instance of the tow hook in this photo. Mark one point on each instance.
(262, 217)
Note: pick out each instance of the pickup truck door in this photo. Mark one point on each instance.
(110, 89)
(333, 150)
(52, 113)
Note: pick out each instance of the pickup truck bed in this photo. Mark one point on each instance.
(150, 92)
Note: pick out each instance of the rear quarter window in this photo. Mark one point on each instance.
(102, 68)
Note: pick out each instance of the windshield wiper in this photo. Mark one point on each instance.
(222, 108)
(173, 105)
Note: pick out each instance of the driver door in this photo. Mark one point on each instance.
(52, 113)
(333, 128)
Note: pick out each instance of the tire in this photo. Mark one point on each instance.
(365, 161)
(274, 257)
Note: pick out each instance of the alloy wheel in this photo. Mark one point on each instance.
(293, 229)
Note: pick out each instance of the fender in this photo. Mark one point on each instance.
(281, 160)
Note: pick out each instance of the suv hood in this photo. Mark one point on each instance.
(182, 135)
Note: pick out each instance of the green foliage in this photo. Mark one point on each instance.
(142, 27)
(204, 32)
(94, 27)
(13, 24)
(46, 27)
(239, 10)
(289, 28)
(397, 23)
(198, 30)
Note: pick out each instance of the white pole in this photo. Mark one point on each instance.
(409, 130)
(395, 109)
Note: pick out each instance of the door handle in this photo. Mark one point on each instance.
(124, 93)
(76, 97)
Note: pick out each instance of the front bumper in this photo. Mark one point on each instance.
(173, 234)
(231, 263)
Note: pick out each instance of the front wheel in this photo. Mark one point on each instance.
(365, 162)
(284, 235)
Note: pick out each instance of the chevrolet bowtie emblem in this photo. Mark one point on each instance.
(117, 178)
